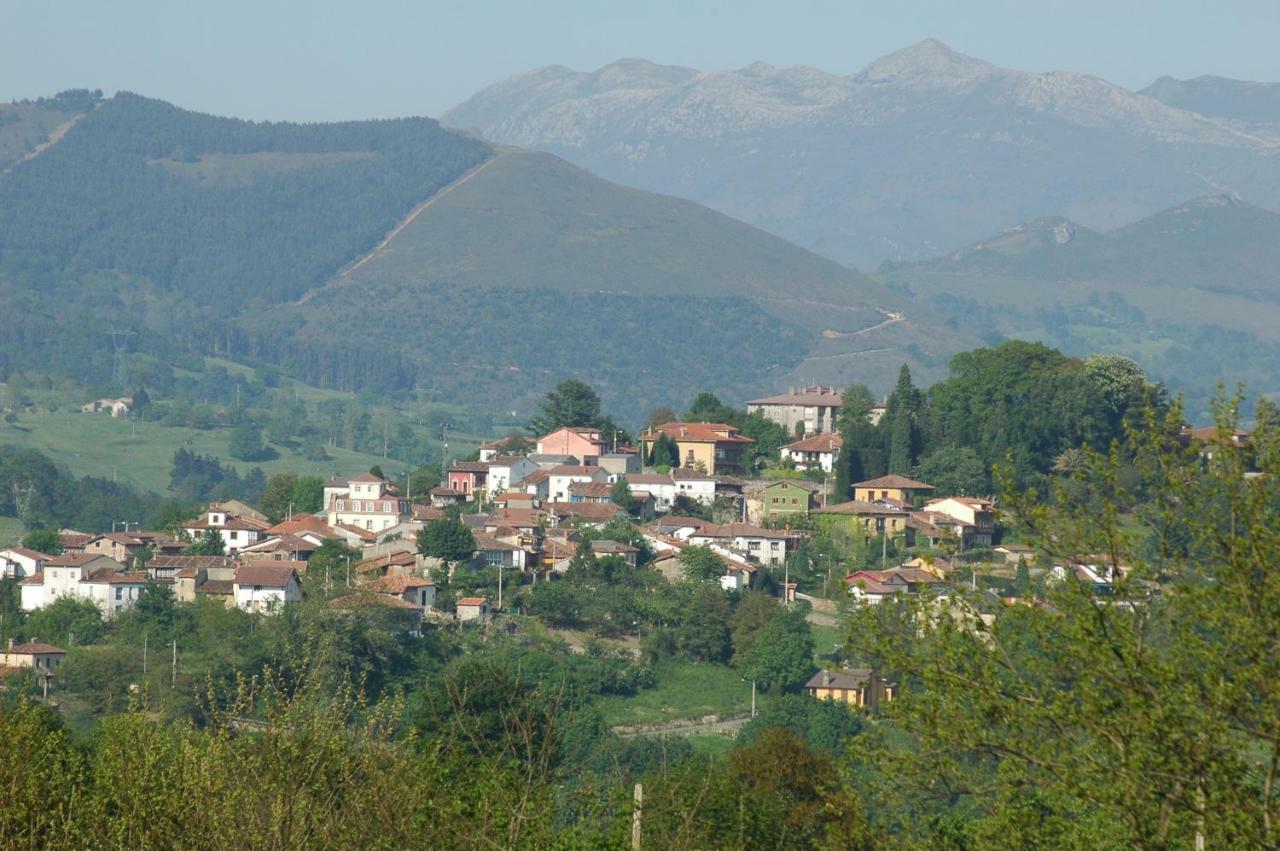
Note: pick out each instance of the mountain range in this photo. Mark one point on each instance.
(398, 256)
(920, 153)
(1191, 292)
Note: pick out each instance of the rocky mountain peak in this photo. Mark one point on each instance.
(926, 64)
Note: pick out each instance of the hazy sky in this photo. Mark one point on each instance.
(324, 59)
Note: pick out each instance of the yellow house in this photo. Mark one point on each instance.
(712, 447)
(856, 687)
(896, 488)
(873, 519)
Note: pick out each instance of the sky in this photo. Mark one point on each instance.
(325, 60)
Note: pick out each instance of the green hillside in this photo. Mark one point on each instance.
(384, 256)
(1191, 292)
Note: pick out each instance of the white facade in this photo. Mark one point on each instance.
(19, 563)
(267, 598)
(693, 485)
(561, 477)
(503, 472)
(112, 593)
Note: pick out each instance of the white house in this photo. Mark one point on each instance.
(368, 504)
(473, 609)
(689, 483)
(766, 546)
(237, 532)
(815, 452)
(61, 577)
(978, 513)
(559, 478)
(266, 587)
(506, 471)
(20, 562)
(113, 590)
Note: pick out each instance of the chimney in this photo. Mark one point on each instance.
(828, 678)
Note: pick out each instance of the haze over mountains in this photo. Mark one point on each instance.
(1191, 292)
(396, 255)
(919, 154)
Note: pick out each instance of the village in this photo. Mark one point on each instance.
(524, 507)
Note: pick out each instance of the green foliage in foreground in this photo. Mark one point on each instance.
(1136, 718)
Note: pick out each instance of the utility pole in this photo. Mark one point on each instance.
(144, 654)
(499, 587)
(119, 340)
(753, 698)
(173, 677)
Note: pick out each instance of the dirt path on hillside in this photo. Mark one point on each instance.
(54, 138)
(395, 231)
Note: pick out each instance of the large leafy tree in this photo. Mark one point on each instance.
(45, 541)
(572, 403)
(862, 452)
(446, 539)
(782, 654)
(210, 543)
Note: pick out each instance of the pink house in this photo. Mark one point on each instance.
(581, 443)
(468, 477)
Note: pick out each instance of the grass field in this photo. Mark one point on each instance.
(684, 690)
(141, 453)
(11, 531)
(825, 638)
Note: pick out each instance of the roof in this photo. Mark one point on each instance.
(690, 474)
(675, 521)
(33, 579)
(858, 507)
(507, 460)
(585, 510)
(368, 477)
(489, 542)
(469, 467)
(445, 491)
(588, 433)
(855, 678)
(821, 442)
(698, 433)
(303, 523)
(71, 538)
(268, 573)
(362, 534)
(33, 647)
(235, 524)
(299, 567)
(596, 489)
(606, 546)
(891, 481)
(26, 553)
(574, 470)
(813, 395)
(517, 517)
(971, 501)
(77, 560)
(648, 479)
(398, 583)
(737, 530)
(133, 577)
(189, 562)
(221, 587)
(537, 477)
(473, 601)
(366, 600)
(503, 441)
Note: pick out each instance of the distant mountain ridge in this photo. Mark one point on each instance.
(1220, 97)
(1192, 292)
(923, 151)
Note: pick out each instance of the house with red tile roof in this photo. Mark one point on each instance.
(974, 511)
(710, 447)
(814, 408)
(898, 489)
(815, 452)
(469, 477)
(236, 532)
(583, 443)
(266, 587)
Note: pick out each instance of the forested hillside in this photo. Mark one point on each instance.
(388, 255)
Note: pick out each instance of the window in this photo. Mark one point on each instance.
(235, 536)
(774, 545)
(368, 524)
(753, 545)
(386, 506)
(119, 594)
(795, 501)
(884, 494)
(773, 500)
(342, 505)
